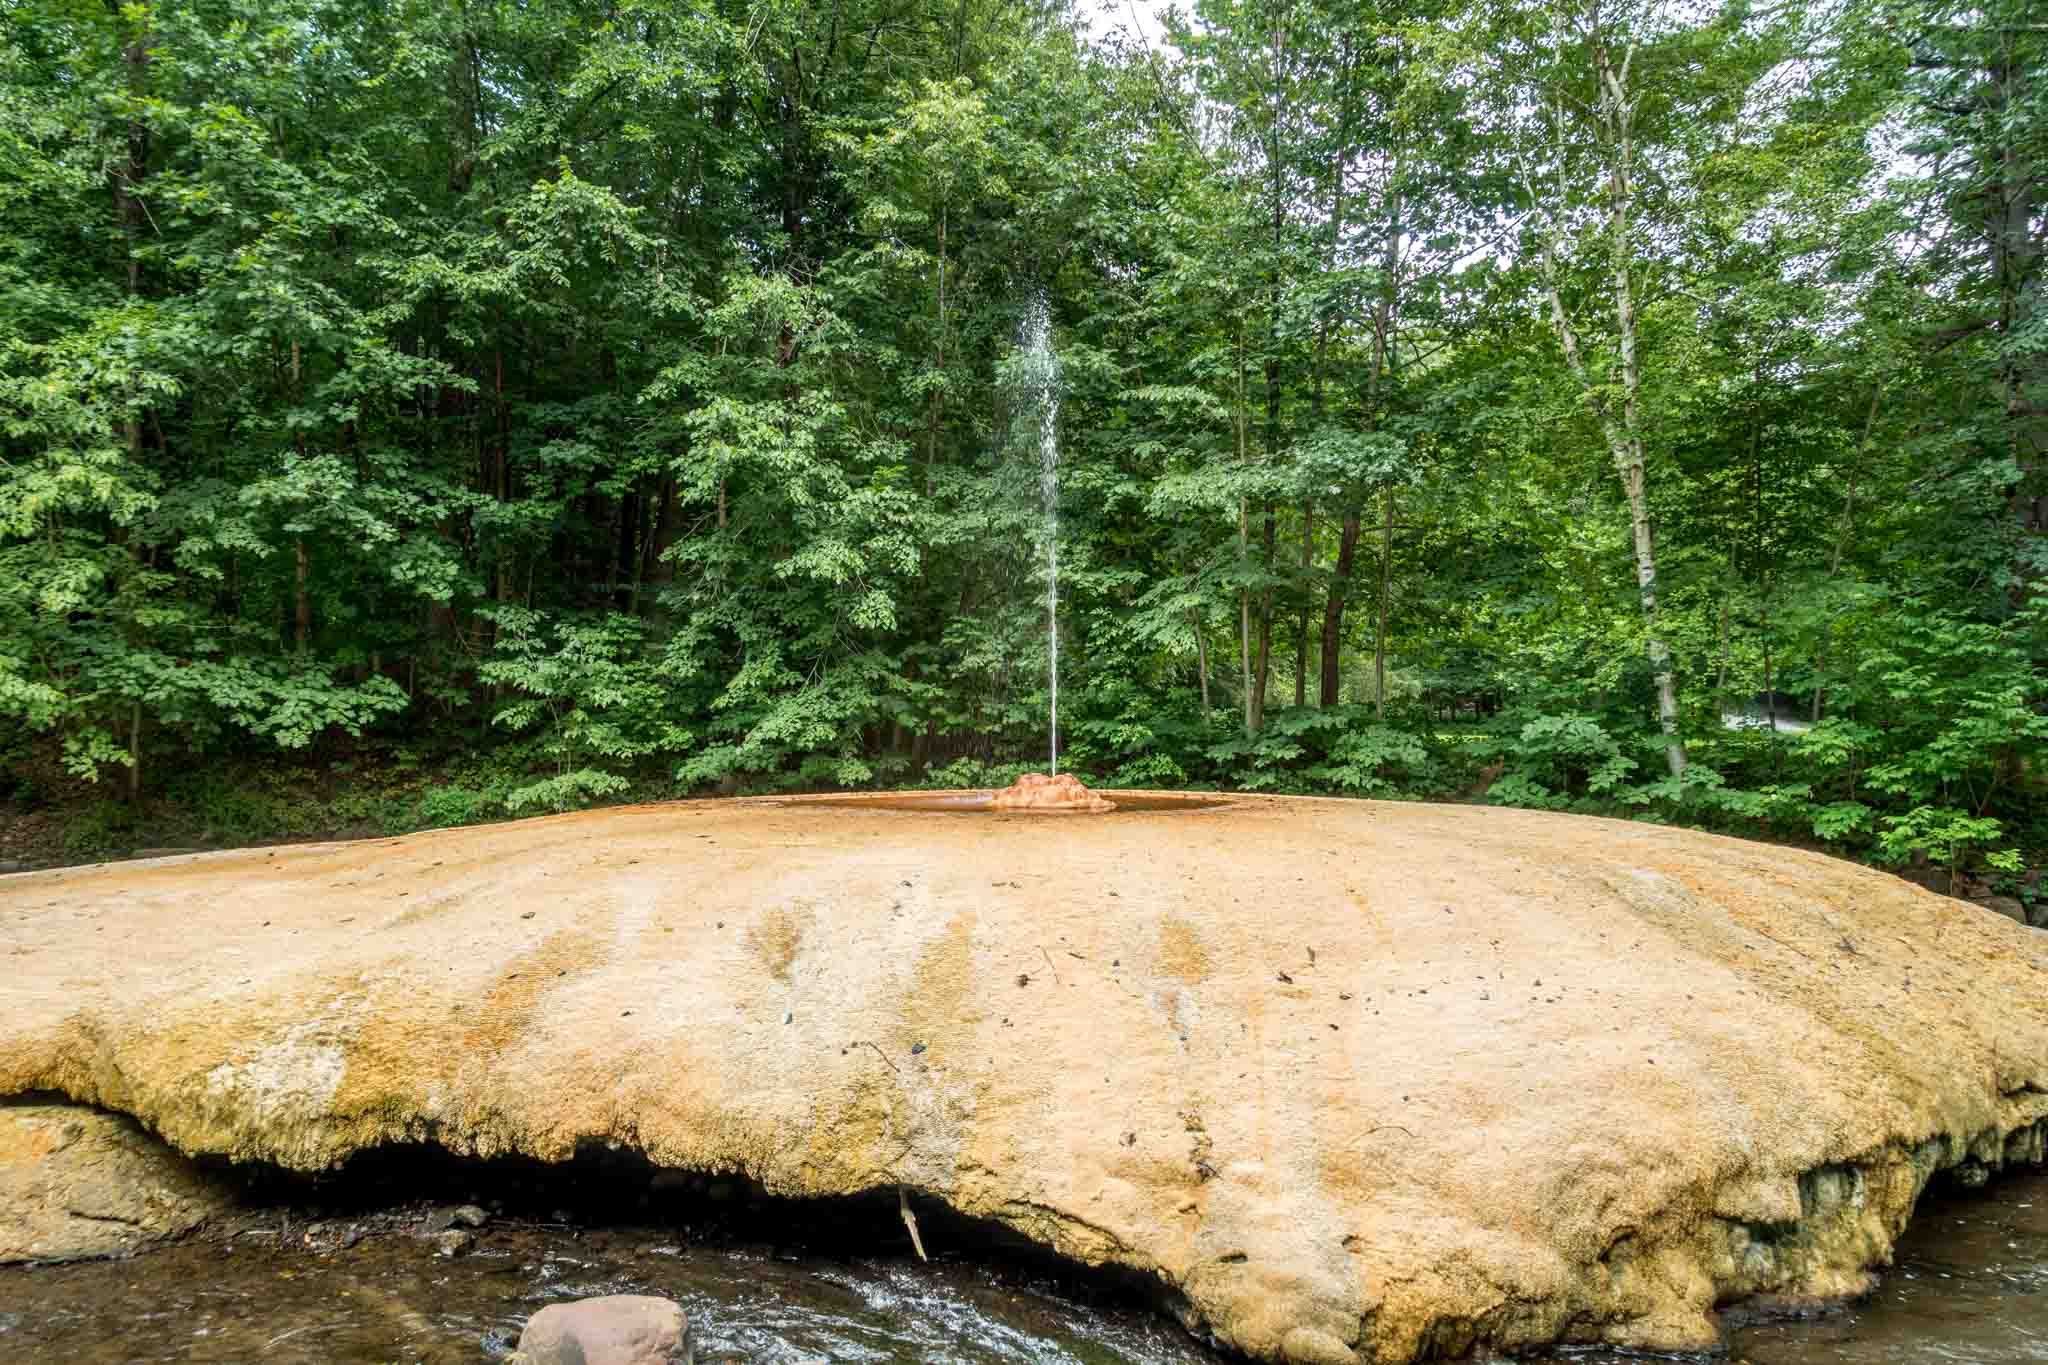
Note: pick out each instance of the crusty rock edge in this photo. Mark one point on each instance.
(1810, 1242)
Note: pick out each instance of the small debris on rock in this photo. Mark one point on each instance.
(916, 1048)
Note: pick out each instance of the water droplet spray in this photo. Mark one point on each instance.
(1040, 369)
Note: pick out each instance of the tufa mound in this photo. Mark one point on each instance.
(1039, 792)
(1349, 1081)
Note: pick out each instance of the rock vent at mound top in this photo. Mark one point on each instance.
(1042, 792)
(1351, 1081)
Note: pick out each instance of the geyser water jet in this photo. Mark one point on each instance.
(1038, 392)
(1040, 368)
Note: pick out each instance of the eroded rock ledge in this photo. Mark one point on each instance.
(1357, 1082)
(79, 1184)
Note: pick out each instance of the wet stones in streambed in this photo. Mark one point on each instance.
(617, 1329)
(326, 1239)
(450, 1228)
(79, 1183)
(461, 1216)
(453, 1242)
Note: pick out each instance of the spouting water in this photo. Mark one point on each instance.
(1040, 370)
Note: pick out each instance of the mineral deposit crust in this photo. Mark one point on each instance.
(1351, 1081)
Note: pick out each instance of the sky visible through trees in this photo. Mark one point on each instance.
(1602, 405)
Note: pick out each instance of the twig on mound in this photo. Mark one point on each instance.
(879, 1053)
(910, 1221)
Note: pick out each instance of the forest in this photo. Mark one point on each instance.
(416, 412)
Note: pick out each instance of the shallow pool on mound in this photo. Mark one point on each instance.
(981, 802)
(390, 1298)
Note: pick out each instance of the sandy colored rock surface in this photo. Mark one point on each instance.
(77, 1183)
(1357, 1081)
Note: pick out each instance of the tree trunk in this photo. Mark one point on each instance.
(1244, 623)
(935, 401)
(2013, 204)
(1308, 540)
(1333, 611)
(643, 523)
(134, 752)
(1244, 557)
(1847, 524)
(1721, 678)
(501, 471)
(625, 576)
(1379, 635)
(302, 599)
(1382, 351)
(662, 571)
(129, 212)
(1622, 429)
(1262, 675)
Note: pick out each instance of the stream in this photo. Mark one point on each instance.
(1968, 1287)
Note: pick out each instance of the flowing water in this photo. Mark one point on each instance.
(390, 1298)
(1039, 368)
(1971, 1285)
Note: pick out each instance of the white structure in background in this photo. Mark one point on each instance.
(1767, 711)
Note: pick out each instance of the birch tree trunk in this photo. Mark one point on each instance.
(1621, 421)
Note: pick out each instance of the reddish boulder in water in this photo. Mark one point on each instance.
(1040, 792)
(616, 1329)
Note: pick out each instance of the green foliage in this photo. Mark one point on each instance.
(625, 398)
(1942, 833)
(591, 696)
(1329, 749)
(100, 828)
(1562, 757)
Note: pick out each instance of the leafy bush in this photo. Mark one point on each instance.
(594, 703)
(100, 827)
(1317, 748)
